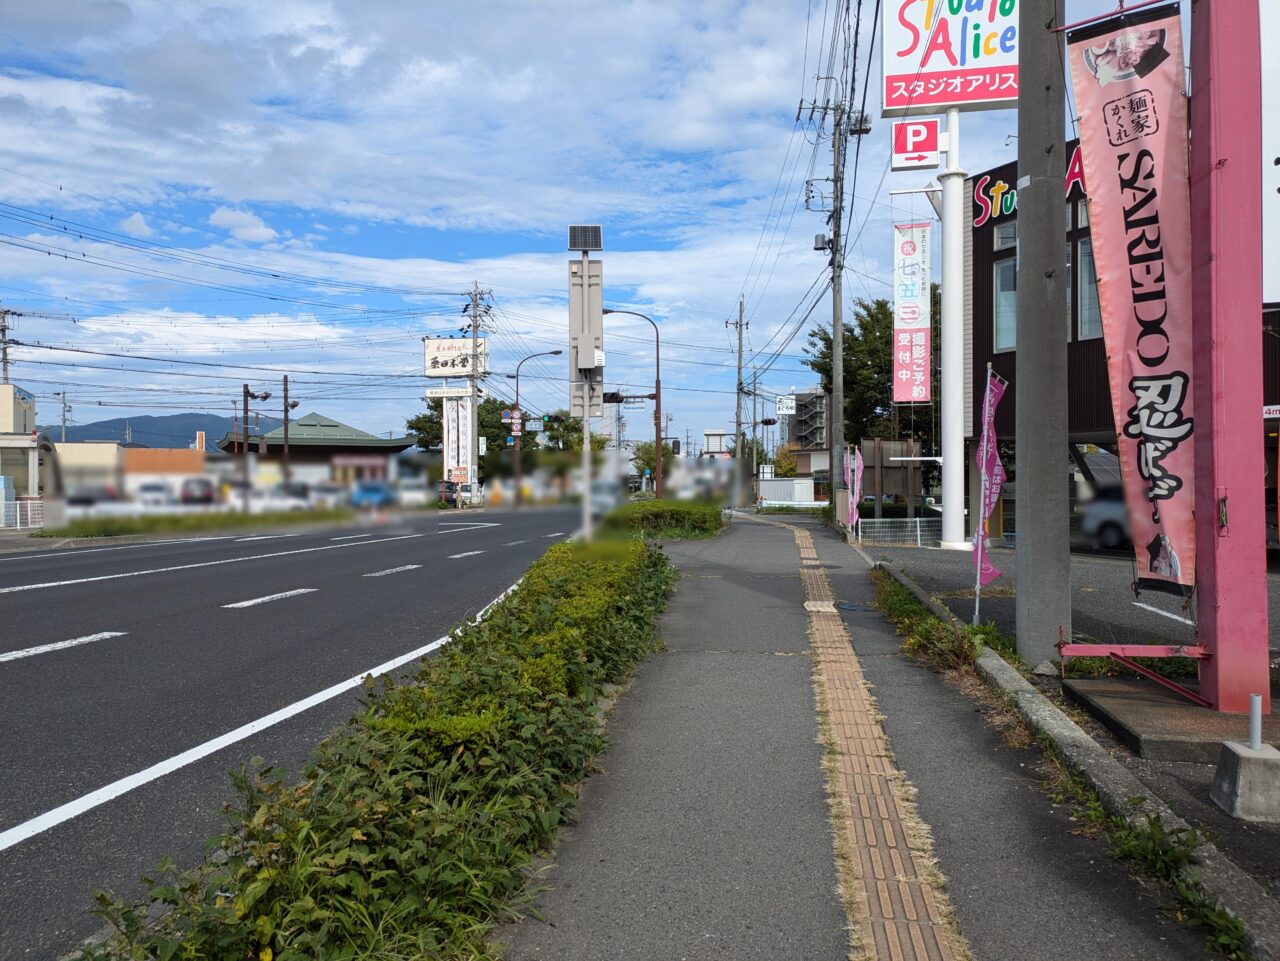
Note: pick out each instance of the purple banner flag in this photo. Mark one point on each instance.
(992, 471)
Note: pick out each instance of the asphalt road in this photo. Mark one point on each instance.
(169, 656)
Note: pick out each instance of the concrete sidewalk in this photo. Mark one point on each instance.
(708, 834)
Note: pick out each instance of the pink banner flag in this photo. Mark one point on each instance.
(1129, 84)
(912, 314)
(855, 488)
(992, 472)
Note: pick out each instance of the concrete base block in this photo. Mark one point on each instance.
(1247, 785)
(956, 545)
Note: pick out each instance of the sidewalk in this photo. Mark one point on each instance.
(708, 834)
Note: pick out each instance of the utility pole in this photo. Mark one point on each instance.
(244, 456)
(737, 420)
(755, 421)
(835, 458)
(4, 342)
(66, 409)
(475, 401)
(1043, 559)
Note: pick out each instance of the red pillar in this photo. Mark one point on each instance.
(1226, 182)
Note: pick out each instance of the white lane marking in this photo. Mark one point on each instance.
(74, 642)
(65, 812)
(394, 570)
(122, 547)
(460, 526)
(188, 567)
(454, 557)
(556, 534)
(270, 597)
(1156, 610)
(262, 537)
(514, 543)
(349, 537)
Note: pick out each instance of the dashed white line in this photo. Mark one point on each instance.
(514, 543)
(1156, 610)
(454, 557)
(188, 567)
(51, 819)
(271, 597)
(60, 645)
(394, 570)
(262, 537)
(460, 526)
(556, 534)
(349, 537)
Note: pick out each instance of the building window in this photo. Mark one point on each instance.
(1090, 313)
(1006, 297)
(1084, 213)
(1006, 235)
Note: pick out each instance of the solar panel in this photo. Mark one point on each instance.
(585, 237)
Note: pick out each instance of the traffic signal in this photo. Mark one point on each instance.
(552, 419)
(675, 446)
(612, 397)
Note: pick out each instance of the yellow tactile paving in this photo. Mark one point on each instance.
(898, 910)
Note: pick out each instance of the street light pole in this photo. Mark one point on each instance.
(657, 401)
(520, 413)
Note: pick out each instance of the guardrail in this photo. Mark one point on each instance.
(20, 515)
(900, 531)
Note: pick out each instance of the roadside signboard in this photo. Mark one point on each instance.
(1269, 15)
(458, 475)
(785, 404)
(1271, 411)
(912, 315)
(434, 393)
(917, 144)
(453, 356)
(484, 445)
(946, 54)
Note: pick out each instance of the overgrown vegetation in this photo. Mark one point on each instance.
(1154, 850)
(162, 523)
(666, 520)
(409, 833)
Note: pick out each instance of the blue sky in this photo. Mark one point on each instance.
(309, 187)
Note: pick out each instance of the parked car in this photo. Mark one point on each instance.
(1105, 520)
(88, 496)
(449, 493)
(154, 494)
(327, 496)
(197, 490)
(372, 494)
(413, 492)
(274, 500)
(606, 495)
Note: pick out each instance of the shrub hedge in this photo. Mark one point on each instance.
(158, 523)
(408, 833)
(666, 519)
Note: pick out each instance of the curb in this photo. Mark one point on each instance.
(68, 543)
(1121, 793)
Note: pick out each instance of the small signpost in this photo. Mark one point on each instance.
(917, 144)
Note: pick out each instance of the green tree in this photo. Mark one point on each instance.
(784, 461)
(428, 426)
(567, 435)
(642, 455)
(868, 374)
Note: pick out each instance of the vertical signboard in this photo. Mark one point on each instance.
(912, 315)
(457, 438)
(943, 53)
(1128, 78)
(1269, 23)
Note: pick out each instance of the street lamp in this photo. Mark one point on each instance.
(520, 414)
(657, 395)
(248, 394)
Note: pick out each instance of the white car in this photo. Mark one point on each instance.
(1105, 520)
(413, 492)
(154, 495)
(275, 501)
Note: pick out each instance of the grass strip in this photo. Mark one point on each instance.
(178, 523)
(665, 520)
(1154, 850)
(410, 831)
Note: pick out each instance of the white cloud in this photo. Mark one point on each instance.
(243, 225)
(135, 225)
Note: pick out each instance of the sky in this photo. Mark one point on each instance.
(195, 195)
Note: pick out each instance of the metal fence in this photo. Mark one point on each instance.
(900, 531)
(21, 514)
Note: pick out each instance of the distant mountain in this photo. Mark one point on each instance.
(172, 430)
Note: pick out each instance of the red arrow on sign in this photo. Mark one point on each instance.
(918, 156)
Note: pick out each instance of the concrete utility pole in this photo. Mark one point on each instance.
(737, 417)
(1043, 559)
(474, 464)
(755, 421)
(66, 409)
(284, 457)
(836, 440)
(4, 343)
(953, 385)
(244, 460)
(1226, 248)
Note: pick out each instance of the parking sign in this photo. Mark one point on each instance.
(916, 144)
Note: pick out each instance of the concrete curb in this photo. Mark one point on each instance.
(1122, 794)
(68, 543)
